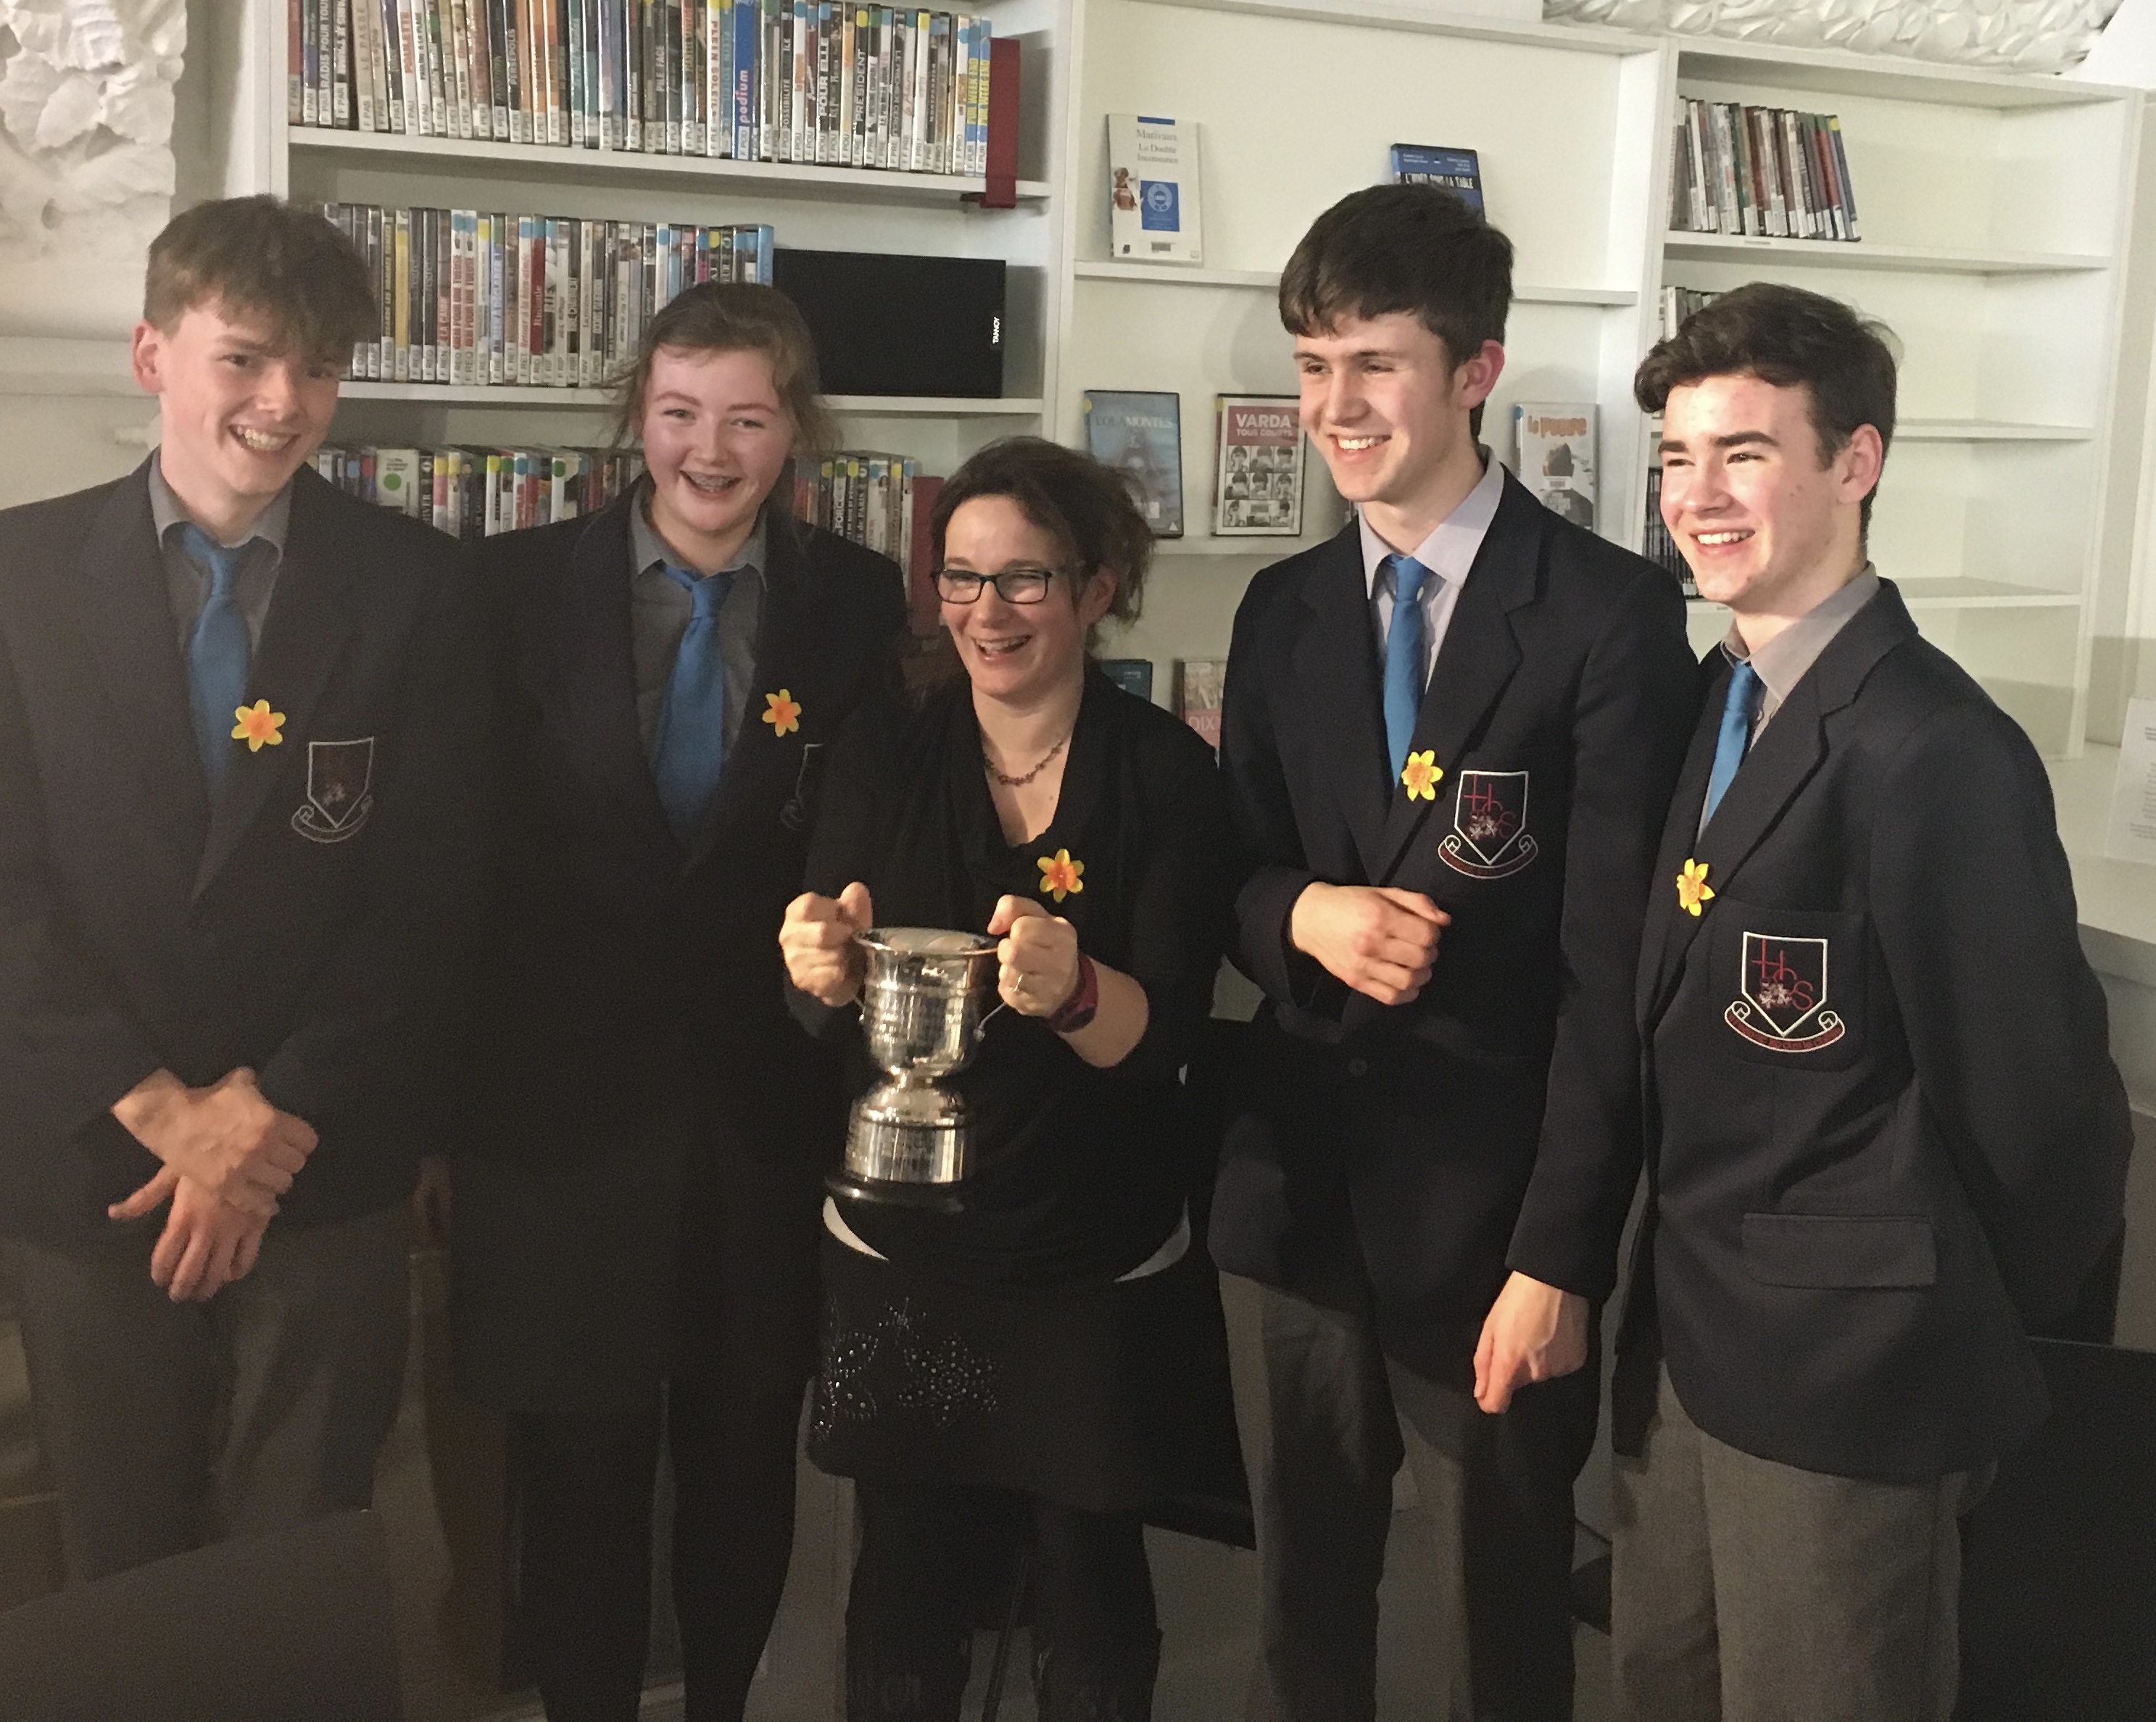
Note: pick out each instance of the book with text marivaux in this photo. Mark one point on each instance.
(1459, 171)
(1153, 213)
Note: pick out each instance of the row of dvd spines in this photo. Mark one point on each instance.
(477, 298)
(1767, 172)
(823, 81)
(477, 493)
(863, 495)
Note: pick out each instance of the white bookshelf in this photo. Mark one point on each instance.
(1994, 209)
(809, 206)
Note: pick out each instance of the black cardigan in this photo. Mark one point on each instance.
(1080, 1171)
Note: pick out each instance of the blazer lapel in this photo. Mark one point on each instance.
(1679, 836)
(302, 639)
(1336, 664)
(126, 617)
(1476, 661)
(1788, 753)
(594, 690)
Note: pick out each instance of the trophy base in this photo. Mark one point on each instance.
(930, 1198)
(907, 1143)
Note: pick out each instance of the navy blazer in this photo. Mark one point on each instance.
(632, 1044)
(311, 922)
(1492, 1122)
(1884, 1132)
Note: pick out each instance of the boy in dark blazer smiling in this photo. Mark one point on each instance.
(242, 742)
(1448, 735)
(1884, 1134)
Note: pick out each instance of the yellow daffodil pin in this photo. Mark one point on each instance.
(1060, 875)
(1421, 775)
(1693, 888)
(783, 712)
(258, 725)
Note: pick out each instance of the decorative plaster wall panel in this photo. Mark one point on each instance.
(2007, 35)
(87, 169)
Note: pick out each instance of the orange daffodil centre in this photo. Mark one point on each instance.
(1421, 775)
(1060, 875)
(783, 712)
(258, 725)
(1693, 888)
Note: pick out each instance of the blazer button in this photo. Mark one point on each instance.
(1358, 1067)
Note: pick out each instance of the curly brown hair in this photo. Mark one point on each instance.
(1081, 504)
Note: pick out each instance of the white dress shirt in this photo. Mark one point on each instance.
(1448, 553)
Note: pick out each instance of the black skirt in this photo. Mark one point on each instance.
(1111, 1397)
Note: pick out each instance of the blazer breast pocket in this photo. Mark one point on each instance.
(1789, 984)
(1490, 838)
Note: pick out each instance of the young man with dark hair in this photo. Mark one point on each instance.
(242, 736)
(1885, 1138)
(1449, 736)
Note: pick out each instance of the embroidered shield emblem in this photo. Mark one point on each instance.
(1489, 837)
(340, 790)
(1782, 1003)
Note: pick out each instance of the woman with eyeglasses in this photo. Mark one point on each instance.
(1026, 1361)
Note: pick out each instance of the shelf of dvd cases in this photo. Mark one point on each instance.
(623, 167)
(1175, 275)
(438, 394)
(1868, 254)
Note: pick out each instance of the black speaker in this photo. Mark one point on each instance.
(900, 325)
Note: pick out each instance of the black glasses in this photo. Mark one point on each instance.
(1013, 585)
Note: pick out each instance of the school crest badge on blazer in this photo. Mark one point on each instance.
(1489, 837)
(1784, 1002)
(340, 790)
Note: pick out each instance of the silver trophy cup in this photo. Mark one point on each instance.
(927, 996)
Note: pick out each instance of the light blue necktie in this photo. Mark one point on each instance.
(217, 651)
(1403, 677)
(690, 749)
(1738, 709)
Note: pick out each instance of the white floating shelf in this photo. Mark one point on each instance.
(1865, 254)
(1835, 71)
(437, 394)
(1960, 592)
(547, 161)
(1987, 430)
(1177, 275)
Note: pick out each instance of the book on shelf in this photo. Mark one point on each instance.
(1139, 435)
(1200, 684)
(1257, 467)
(1154, 206)
(874, 499)
(1133, 675)
(479, 493)
(476, 298)
(812, 81)
(1459, 171)
(1679, 303)
(1762, 173)
(924, 603)
(1553, 453)
(1657, 541)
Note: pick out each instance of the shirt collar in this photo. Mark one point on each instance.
(1450, 550)
(1782, 663)
(651, 548)
(167, 511)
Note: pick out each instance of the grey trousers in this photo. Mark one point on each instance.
(1747, 1591)
(1337, 1418)
(167, 1425)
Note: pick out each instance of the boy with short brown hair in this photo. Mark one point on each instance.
(241, 784)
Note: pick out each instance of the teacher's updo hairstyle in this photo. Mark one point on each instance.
(1081, 504)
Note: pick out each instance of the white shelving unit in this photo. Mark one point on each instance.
(1994, 209)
